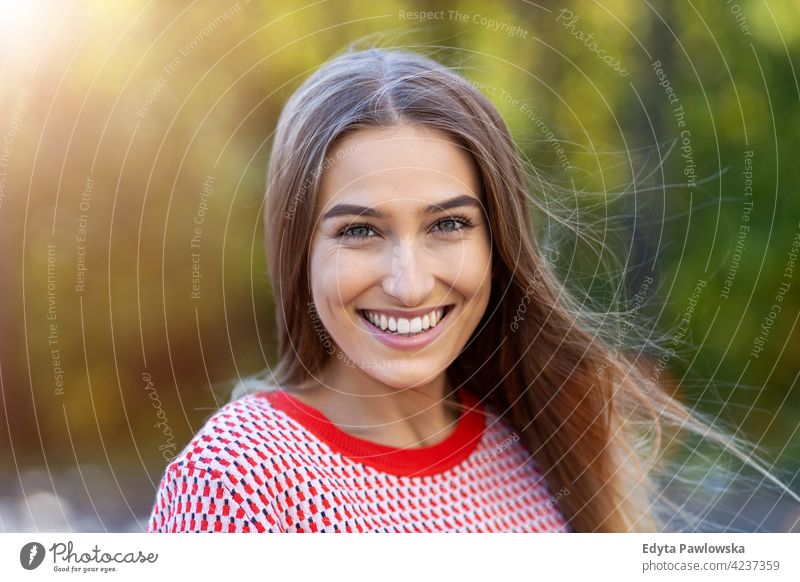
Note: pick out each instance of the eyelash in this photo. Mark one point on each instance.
(464, 221)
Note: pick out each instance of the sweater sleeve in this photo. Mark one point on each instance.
(191, 498)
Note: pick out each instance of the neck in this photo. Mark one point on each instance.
(367, 408)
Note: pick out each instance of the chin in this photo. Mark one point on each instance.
(401, 374)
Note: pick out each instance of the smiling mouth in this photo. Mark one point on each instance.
(445, 313)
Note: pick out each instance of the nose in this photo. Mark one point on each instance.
(409, 279)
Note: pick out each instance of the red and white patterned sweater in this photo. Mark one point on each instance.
(268, 462)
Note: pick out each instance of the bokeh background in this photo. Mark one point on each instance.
(134, 137)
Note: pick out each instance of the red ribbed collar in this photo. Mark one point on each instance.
(417, 461)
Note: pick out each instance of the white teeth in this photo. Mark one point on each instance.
(405, 326)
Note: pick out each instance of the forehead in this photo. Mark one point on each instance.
(396, 164)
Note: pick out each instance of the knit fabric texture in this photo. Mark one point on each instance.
(268, 462)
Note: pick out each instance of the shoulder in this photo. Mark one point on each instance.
(504, 447)
(237, 429)
(239, 449)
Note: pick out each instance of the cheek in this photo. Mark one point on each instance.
(468, 268)
(337, 278)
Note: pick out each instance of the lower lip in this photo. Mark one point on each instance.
(404, 342)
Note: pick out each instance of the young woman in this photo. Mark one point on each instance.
(433, 374)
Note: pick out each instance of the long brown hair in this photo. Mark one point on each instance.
(593, 420)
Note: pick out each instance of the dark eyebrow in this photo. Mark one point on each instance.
(356, 210)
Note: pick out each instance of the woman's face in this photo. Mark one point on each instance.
(400, 258)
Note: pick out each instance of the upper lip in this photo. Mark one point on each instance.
(407, 314)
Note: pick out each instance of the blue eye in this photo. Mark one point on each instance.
(446, 226)
(361, 229)
(455, 221)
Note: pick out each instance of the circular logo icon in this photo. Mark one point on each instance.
(31, 555)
